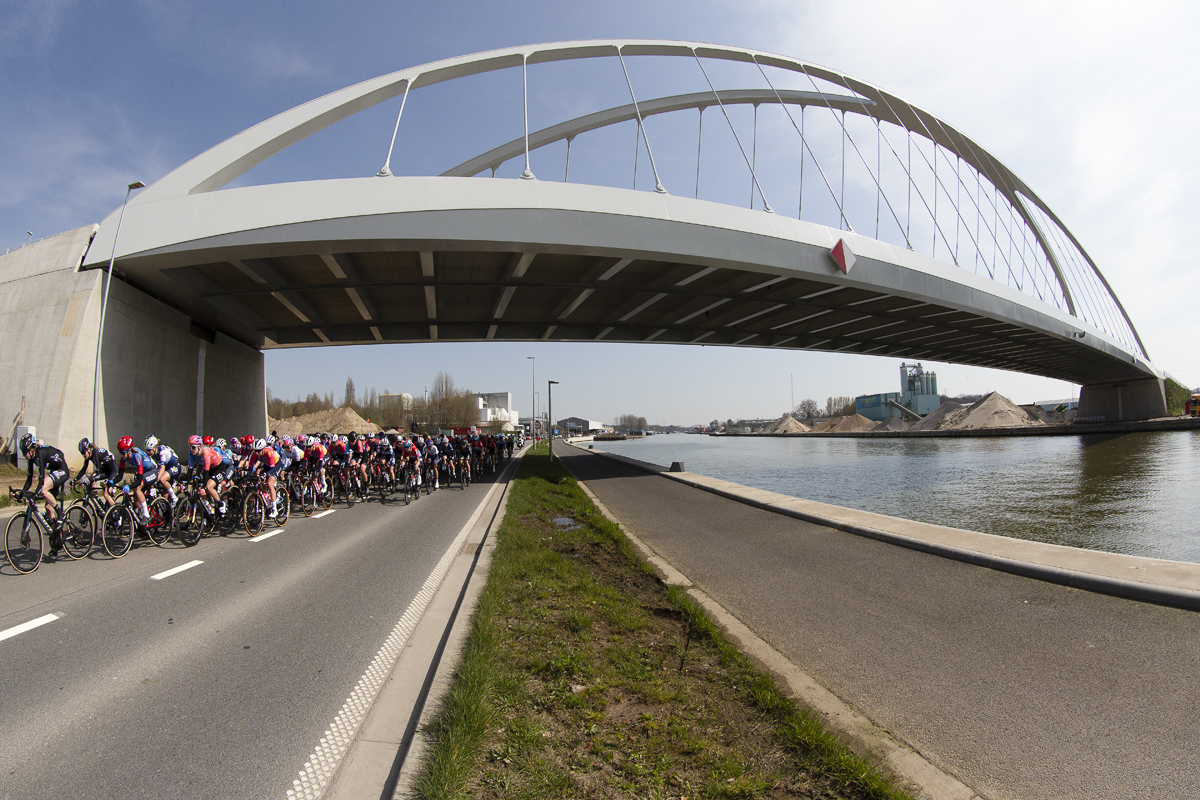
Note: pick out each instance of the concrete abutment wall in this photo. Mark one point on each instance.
(1123, 401)
(151, 377)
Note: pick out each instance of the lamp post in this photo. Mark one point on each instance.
(550, 416)
(532, 395)
(104, 305)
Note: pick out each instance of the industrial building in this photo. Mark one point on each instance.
(577, 426)
(918, 394)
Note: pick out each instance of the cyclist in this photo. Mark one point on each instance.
(168, 464)
(410, 455)
(432, 455)
(145, 471)
(103, 464)
(52, 474)
(266, 460)
(360, 450)
(315, 453)
(385, 454)
(208, 462)
(447, 450)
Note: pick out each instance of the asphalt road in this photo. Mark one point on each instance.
(1021, 689)
(216, 681)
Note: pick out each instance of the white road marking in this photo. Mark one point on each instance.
(267, 535)
(171, 572)
(27, 626)
(325, 513)
(328, 754)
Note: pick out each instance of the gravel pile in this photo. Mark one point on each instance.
(854, 422)
(993, 411)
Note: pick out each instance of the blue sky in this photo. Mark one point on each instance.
(1090, 103)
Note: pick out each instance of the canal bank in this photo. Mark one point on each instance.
(1074, 429)
(1018, 687)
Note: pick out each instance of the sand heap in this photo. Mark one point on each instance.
(854, 422)
(891, 424)
(333, 420)
(789, 425)
(932, 421)
(993, 411)
(1049, 417)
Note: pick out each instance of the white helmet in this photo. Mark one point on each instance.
(259, 444)
(151, 442)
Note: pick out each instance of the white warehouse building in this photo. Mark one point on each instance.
(496, 410)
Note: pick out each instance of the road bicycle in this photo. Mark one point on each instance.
(84, 517)
(24, 538)
(258, 501)
(412, 486)
(122, 522)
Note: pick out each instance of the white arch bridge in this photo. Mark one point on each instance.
(951, 257)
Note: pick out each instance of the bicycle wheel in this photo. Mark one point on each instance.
(346, 491)
(23, 543)
(462, 478)
(158, 528)
(117, 530)
(407, 489)
(326, 497)
(77, 531)
(308, 499)
(189, 519)
(283, 509)
(253, 513)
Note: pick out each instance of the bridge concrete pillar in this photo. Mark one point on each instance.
(1123, 401)
(150, 368)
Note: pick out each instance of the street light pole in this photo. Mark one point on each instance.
(550, 416)
(104, 305)
(532, 396)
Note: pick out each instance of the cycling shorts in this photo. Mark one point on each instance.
(273, 472)
(58, 478)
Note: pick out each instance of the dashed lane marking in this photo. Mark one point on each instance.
(171, 572)
(325, 513)
(27, 626)
(266, 535)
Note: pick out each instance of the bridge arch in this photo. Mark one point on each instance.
(384, 258)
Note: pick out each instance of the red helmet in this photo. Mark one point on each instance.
(208, 441)
(125, 443)
(194, 441)
(248, 439)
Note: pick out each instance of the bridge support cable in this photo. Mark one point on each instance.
(876, 177)
(799, 129)
(699, 140)
(386, 171)
(658, 187)
(567, 168)
(766, 205)
(527, 174)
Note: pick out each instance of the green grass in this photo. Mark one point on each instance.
(584, 676)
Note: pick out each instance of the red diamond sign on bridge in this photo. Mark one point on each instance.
(842, 255)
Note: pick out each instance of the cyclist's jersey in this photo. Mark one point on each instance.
(410, 451)
(447, 449)
(295, 453)
(103, 462)
(227, 458)
(316, 451)
(267, 457)
(384, 449)
(141, 463)
(166, 457)
(49, 460)
(338, 451)
(431, 452)
(207, 459)
(359, 448)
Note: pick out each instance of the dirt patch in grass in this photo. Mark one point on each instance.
(597, 681)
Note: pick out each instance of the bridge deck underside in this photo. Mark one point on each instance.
(375, 296)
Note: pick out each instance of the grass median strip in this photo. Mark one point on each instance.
(585, 676)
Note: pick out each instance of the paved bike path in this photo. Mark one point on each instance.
(1018, 687)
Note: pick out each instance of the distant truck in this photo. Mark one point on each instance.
(1191, 406)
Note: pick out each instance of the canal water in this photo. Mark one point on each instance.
(1136, 493)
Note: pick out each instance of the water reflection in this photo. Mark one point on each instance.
(1131, 493)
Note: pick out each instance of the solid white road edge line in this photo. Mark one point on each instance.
(329, 752)
(171, 572)
(27, 626)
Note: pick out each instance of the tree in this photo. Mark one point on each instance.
(807, 409)
(349, 398)
(839, 406)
